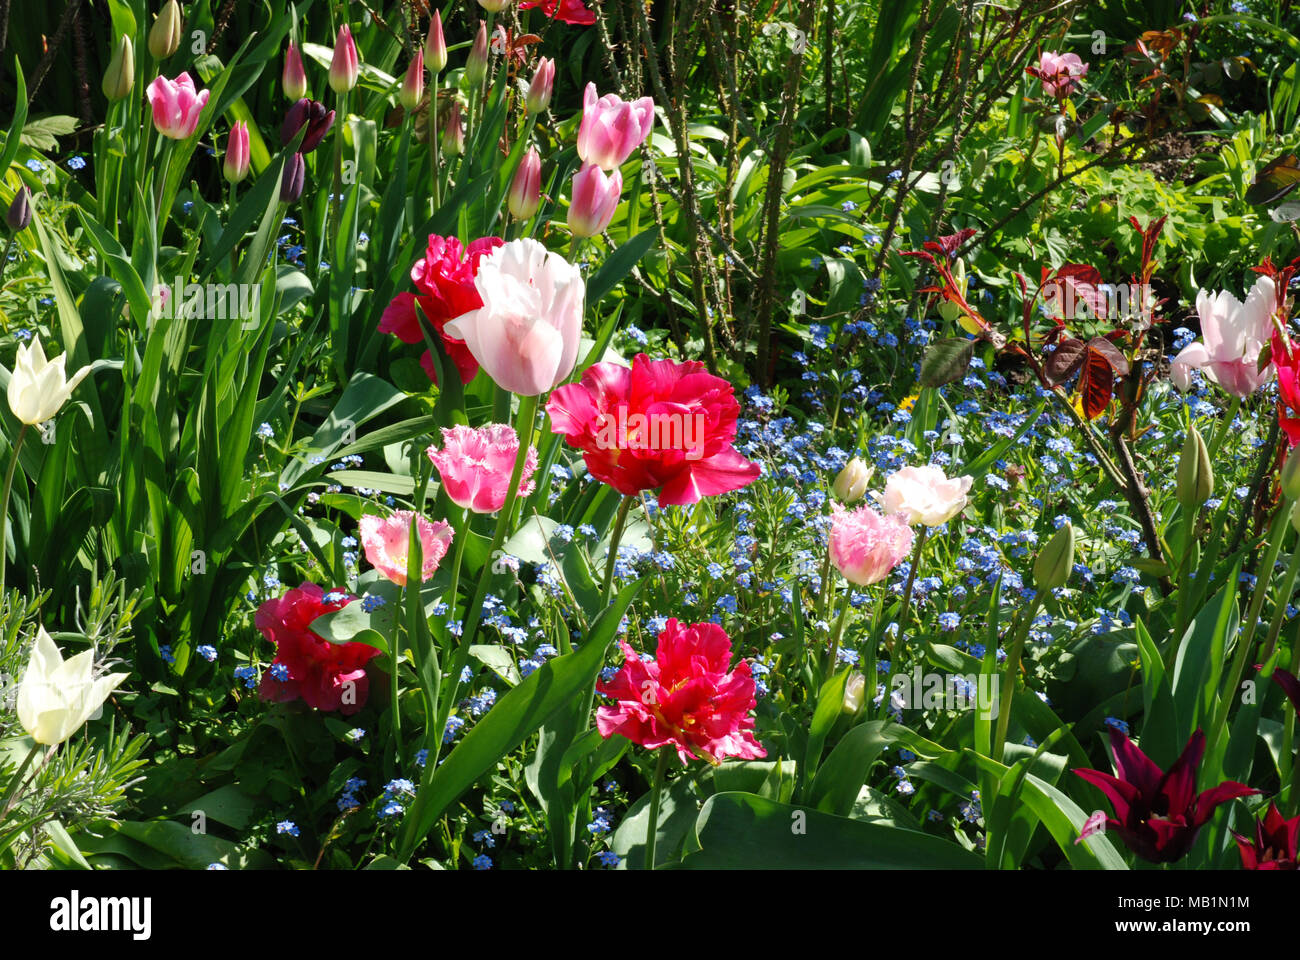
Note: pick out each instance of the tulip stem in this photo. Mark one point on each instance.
(616, 535)
(4, 503)
(4, 261)
(434, 134)
(12, 793)
(1221, 433)
(839, 632)
(907, 590)
(652, 825)
(1009, 677)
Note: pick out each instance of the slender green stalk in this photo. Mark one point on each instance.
(1225, 424)
(1009, 678)
(1279, 612)
(4, 503)
(839, 632)
(435, 135)
(12, 793)
(652, 825)
(620, 521)
(907, 590)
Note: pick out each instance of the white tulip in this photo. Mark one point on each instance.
(38, 388)
(57, 696)
(925, 495)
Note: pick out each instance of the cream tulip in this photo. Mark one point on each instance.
(57, 696)
(38, 388)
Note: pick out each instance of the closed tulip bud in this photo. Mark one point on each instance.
(38, 388)
(57, 696)
(1291, 475)
(853, 690)
(1295, 516)
(476, 63)
(314, 116)
(947, 309)
(453, 132)
(435, 45)
(1055, 561)
(119, 78)
(539, 91)
(165, 37)
(593, 201)
(851, 482)
(345, 67)
(294, 77)
(235, 165)
(494, 6)
(1195, 475)
(19, 214)
(291, 182)
(413, 84)
(526, 187)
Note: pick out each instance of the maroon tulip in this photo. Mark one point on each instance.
(313, 115)
(291, 183)
(1158, 813)
(1274, 846)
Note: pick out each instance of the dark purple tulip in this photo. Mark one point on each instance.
(1158, 814)
(19, 214)
(1274, 845)
(295, 172)
(1290, 686)
(313, 115)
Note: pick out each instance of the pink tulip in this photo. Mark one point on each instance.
(412, 88)
(526, 187)
(294, 78)
(612, 128)
(1058, 72)
(924, 495)
(539, 91)
(235, 166)
(435, 45)
(387, 541)
(476, 63)
(865, 546)
(345, 67)
(476, 465)
(176, 106)
(593, 201)
(1232, 335)
(526, 333)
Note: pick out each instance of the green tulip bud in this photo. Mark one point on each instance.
(851, 482)
(1055, 561)
(947, 309)
(165, 36)
(120, 75)
(1195, 475)
(1291, 475)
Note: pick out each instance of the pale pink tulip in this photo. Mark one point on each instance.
(476, 464)
(526, 333)
(294, 77)
(866, 546)
(176, 106)
(539, 91)
(1058, 72)
(593, 200)
(924, 495)
(612, 128)
(526, 186)
(1232, 335)
(387, 541)
(346, 66)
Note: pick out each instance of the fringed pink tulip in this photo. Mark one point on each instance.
(866, 546)
(476, 465)
(387, 542)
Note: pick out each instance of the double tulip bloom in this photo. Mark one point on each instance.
(925, 495)
(866, 546)
(525, 335)
(688, 697)
(176, 106)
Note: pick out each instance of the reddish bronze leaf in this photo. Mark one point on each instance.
(1096, 384)
(1065, 360)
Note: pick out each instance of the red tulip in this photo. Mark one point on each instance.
(1274, 843)
(1158, 813)
(568, 11)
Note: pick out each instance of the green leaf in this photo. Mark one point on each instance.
(741, 831)
(1200, 658)
(946, 361)
(619, 264)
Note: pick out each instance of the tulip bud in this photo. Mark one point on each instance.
(594, 199)
(1295, 516)
(120, 75)
(854, 687)
(947, 309)
(494, 6)
(413, 84)
(165, 37)
(235, 165)
(526, 187)
(291, 183)
(476, 63)
(294, 77)
(453, 132)
(19, 214)
(851, 482)
(345, 67)
(539, 91)
(317, 119)
(1055, 561)
(1195, 475)
(1291, 475)
(435, 45)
